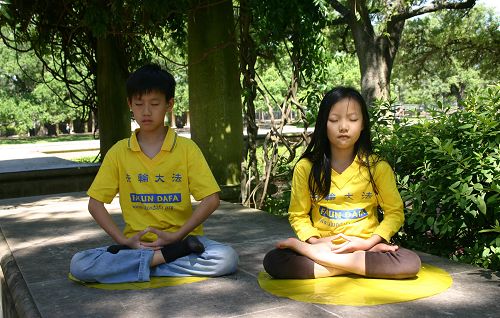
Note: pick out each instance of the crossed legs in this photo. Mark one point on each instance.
(297, 259)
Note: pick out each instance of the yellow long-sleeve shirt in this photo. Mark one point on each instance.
(351, 206)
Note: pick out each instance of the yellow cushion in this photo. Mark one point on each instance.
(155, 282)
(355, 290)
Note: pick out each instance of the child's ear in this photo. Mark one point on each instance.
(170, 104)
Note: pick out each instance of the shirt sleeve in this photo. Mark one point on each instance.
(300, 202)
(105, 185)
(389, 200)
(201, 180)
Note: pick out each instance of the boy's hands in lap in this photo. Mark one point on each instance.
(135, 241)
(164, 238)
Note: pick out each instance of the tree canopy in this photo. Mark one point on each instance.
(376, 28)
(448, 52)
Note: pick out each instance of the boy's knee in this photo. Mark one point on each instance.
(80, 268)
(227, 261)
(86, 266)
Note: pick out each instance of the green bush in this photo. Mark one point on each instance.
(448, 169)
(8, 131)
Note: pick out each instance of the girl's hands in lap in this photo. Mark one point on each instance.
(353, 244)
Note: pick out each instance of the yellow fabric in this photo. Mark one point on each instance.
(155, 282)
(357, 290)
(154, 192)
(351, 206)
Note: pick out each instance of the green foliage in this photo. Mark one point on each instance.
(278, 204)
(65, 37)
(290, 37)
(29, 96)
(87, 159)
(45, 139)
(278, 197)
(449, 177)
(446, 55)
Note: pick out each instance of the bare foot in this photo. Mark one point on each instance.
(383, 247)
(309, 250)
(288, 243)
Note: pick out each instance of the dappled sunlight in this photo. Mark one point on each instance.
(43, 241)
(36, 223)
(494, 276)
(51, 204)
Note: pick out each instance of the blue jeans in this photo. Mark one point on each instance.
(98, 265)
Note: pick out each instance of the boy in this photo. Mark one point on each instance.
(155, 172)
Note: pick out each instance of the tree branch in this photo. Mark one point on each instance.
(435, 6)
(340, 8)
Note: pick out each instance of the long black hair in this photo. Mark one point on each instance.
(318, 151)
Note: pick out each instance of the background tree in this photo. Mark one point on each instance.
(90, 46)
(214, 90)
(448, 53)
(285, 41)
(376, 28)
(29, 96)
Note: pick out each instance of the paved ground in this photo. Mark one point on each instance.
(44, 232)
(27, 157)
(40, 234)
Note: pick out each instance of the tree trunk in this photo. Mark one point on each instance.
(458, 90)
(113, 113)
(214, 88)
(376, 53)
(248, 58)
(375, 74)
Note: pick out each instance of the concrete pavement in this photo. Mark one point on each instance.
(40, 234)
(34, 169)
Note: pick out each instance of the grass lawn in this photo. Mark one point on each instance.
(42, 139)
(86, 159)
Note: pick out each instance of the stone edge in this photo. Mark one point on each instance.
(23, 302)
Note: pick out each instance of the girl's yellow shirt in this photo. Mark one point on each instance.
(351, 206)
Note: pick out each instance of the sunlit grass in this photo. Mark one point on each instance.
(86, 159)
(44, 139)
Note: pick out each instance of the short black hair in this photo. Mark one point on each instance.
(148, 78)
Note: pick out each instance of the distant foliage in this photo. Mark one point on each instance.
(448, 169)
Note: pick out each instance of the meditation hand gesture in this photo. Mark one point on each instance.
(353, 243)
(164, 238)
(135, 241)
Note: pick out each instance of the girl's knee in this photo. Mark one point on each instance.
(273, 262)
(287, 264)
(412, 264)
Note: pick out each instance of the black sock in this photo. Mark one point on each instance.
(113, 249)
(189, 245)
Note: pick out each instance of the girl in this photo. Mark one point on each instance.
(338, 185)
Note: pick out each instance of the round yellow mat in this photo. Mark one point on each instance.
(359, 291)
(155, 282)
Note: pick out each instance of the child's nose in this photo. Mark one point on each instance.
(343, 125)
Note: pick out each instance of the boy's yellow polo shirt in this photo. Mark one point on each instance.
(154, 192)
